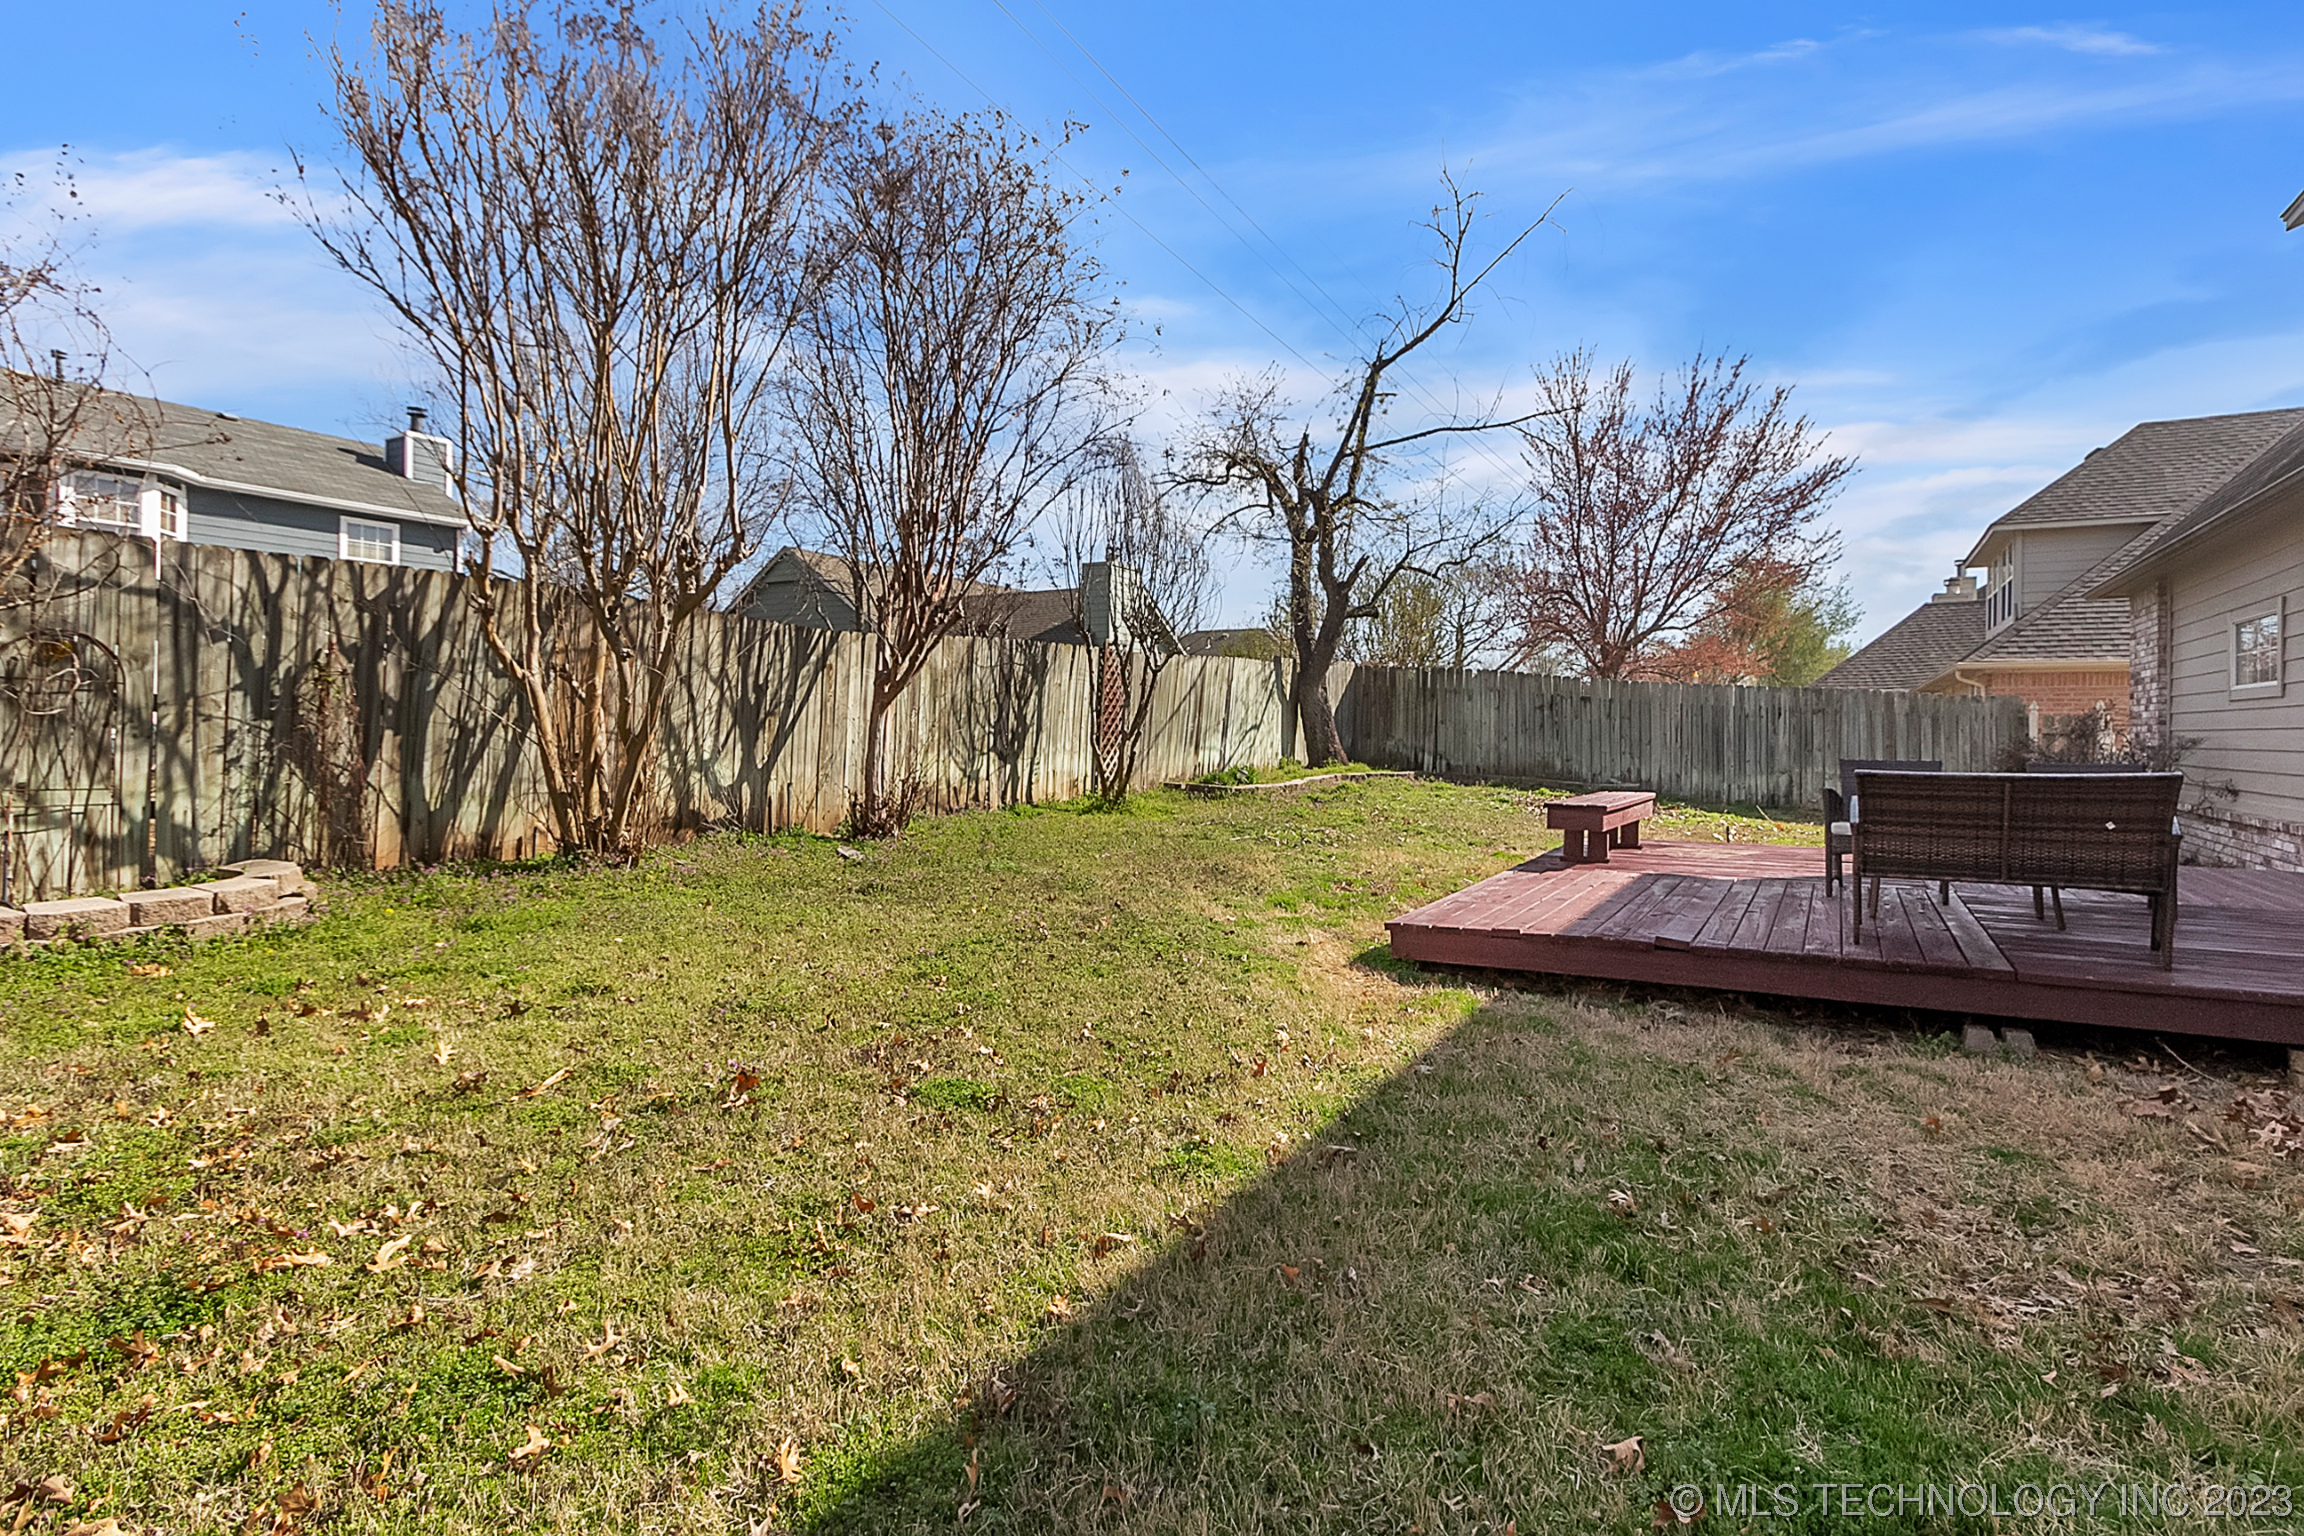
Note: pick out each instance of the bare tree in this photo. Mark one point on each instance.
(1651, 519)
(1140, 577)
(55, 413)
(1456, 619)
(948, 393)
(593, 235)
(1351, 523)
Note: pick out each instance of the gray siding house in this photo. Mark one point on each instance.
(2208, 597)
(815, 590)
(159, 470)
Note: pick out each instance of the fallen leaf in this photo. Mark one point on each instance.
(1626, 1456)
(676, 1396)
(312, 1260)
(1058, 1309)
(788, 1461)
(507, 1367)
(108, 1526)
(194, 1024)
(850, 1368)
(150, 970)
(523, 1457)
(56, 1488)
(553, 1080)
(444, 1051)
(391, 1256)
(1933, 1125)
(609, 1339)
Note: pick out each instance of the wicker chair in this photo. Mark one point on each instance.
(2087, 832)
(1836, 805)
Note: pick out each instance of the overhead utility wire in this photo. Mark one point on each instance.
(1209, 176)
(1121, 120)
(1336, 315)
(1217, 288)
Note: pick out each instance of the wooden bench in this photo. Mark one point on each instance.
(1590, 825)
(2083, 832)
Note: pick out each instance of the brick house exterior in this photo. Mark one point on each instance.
(2041, 627)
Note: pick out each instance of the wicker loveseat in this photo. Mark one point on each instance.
(1836, 812)
(2068, 831)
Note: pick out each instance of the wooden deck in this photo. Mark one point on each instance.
(1755, 918)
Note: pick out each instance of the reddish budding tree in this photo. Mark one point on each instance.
(1659, 523)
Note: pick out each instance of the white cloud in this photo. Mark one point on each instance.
(2074, 37)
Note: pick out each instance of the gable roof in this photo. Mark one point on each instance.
(2152, 471)
(1919, 648)
(1051, 615)
(261, 458)
(2233, 504)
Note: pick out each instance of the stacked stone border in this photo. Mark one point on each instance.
(255, 893)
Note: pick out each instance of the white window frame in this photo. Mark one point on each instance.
(156, 513)
(2269, 688)
(77, 488)
(344, 527)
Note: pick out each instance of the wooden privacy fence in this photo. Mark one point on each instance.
(181, 708)
(1710, 744)
(172, 711)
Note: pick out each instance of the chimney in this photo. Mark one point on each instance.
(1109, 592)
(1959, 587)
(418, 454)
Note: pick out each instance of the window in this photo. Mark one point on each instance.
(2256, 653)
(378, 543)
(2000, 588)
(169, 513)
(100, 501)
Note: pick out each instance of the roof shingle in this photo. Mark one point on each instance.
(1921, 647)
(2154, 470)
(211, 447)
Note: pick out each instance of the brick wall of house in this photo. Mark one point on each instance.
(2235, 841)
(2151, 639)
(2061, 695)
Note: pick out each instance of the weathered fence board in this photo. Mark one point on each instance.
(1713, 745)
(161, 712)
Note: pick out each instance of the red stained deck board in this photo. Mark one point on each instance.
(1756, 918)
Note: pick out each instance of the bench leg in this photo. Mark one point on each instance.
(1943, 893)
(1831, 870)
(1575, 846)
(1875, 898)
(2056, 895)
(1631, 835)
(1596, 847)
(2039, 907)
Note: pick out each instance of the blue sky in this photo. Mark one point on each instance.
(1979, 239)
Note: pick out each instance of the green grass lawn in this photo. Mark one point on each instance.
(1077, 1170)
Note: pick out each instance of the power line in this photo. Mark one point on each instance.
(1214, 286)
(1336, 314)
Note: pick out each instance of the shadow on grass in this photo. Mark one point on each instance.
(1538, 1240)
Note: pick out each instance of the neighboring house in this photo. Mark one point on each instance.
(2037, 630)
(815, 590)
(1255, 642)
(2209, 595)
(163, 471)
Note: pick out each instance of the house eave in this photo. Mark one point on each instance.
(281, 493)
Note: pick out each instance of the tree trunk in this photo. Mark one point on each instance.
(1316, 718)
